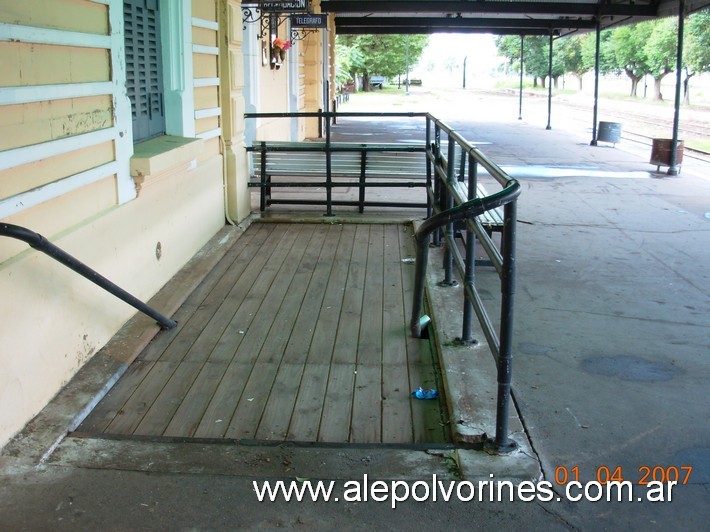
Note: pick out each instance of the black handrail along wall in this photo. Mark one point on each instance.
(40, 243)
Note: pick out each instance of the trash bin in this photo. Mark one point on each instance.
(661, 152)
(609, 132)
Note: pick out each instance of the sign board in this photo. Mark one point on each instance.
(296, 6)
(309, 21)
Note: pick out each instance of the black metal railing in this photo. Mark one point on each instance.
(40, 243)
(329, 170)
(453, 195)
(450, 177)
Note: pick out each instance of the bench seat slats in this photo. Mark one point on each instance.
(389, 161)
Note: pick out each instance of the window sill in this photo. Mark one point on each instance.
(161, 154)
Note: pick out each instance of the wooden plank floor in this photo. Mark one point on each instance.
(300, 333)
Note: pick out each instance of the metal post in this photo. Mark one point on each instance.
(673, 168)
(428, 166)
(363, 177)
(505, 354)
(419, 281)
(464, 71)
(437, 180)
(262, 201)
(596, 83)
(328, 171)
(448, 204)
(406, 81)
(522, 66)
(469, 274)
(549, 87)
(335, 110)
(320, 123)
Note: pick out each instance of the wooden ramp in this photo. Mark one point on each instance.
(301, 334)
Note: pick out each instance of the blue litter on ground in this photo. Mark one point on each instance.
(422, 393)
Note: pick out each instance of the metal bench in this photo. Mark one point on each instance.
(303, 164)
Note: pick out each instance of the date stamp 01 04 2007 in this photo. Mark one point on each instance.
(644, 474)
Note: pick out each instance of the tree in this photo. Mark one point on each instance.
(696, 51)
(628, 43)
(607, 60)
(661, 51)
(383, 55)
(536, 58)
(348, 60)
(574, 61)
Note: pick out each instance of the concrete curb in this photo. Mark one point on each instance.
(470, 383)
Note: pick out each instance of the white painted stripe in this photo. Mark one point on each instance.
(105, 2)
(205, 82)
(212, 133)
(33, 197)
(44, 150)
(202, 49)
(204, 23)
(206, 113)
(31, 34)
(42, 93)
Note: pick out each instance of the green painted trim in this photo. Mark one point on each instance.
(176, 41)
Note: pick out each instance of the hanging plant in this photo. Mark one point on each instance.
(278, 51)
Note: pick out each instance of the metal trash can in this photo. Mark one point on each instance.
(661, 152)
(609, 132)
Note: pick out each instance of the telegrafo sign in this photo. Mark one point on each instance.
(309, 21)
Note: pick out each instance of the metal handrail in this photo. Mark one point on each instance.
(450, 207)
(40, 243)
(445, 205)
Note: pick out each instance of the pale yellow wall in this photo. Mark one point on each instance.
(30, 123)
(313, 79)
(232, 104)
(51, 319)
(70, 15)
(273, 96)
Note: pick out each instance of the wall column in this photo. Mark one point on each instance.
(231, 74)
(312, 48)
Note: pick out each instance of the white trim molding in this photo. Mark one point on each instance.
(31, 34)
(205, 82)
(25, 200)
(43, 93)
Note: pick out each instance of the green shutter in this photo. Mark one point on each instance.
(144, 72)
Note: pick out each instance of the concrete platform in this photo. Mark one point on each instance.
(610, 367)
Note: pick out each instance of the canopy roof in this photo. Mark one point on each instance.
(528, 17)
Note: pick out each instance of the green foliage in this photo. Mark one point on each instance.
(661, 47)
(535, 54)
(629, 48)
(569, 50)
(382, 55)
(697, 42)
(637, 50)
(348, 59)
(607, 60)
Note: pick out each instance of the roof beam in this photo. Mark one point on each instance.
(456, 24)
(465, 7)
(425, 31)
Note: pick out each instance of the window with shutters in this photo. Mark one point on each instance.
(144, 73)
